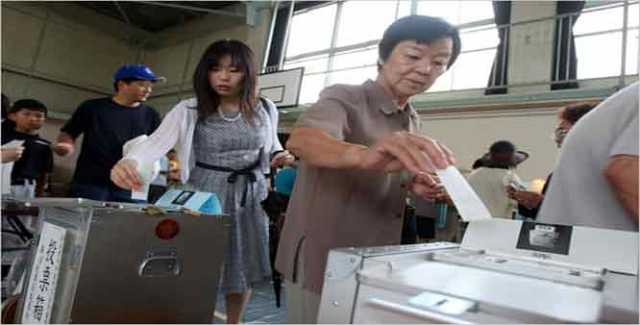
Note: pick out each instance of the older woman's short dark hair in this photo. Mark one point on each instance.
(573, 112)
(422, 29)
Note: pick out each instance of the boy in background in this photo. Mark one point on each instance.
(29, 177)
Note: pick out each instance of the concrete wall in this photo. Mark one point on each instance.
(63, 54)
(177, 56)
(530, 45)
(469, 136)
(48, 56)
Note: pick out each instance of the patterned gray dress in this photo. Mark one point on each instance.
(236, 145)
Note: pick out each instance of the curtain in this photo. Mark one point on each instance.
(565, 62)
(498, 76)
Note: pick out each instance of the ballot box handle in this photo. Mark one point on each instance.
(414, 312)
(160, 266)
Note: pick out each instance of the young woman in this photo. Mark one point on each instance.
(226, 139)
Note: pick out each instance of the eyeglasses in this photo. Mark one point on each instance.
(559, 133)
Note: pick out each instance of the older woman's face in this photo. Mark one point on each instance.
(413, 67)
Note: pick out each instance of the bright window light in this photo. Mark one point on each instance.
(634, 11)
(482, 39)
(600, 20)
(592, 63)
(631, 66)
(362, 21)
(353, 76)
(320, 21)
(355, 58)
(472, 70)
(592, 36)
(457, 12)
(311, 65)
(311, 86)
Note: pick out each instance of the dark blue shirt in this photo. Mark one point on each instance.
(106, 126)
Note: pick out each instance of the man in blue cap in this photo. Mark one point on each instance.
(107, 124)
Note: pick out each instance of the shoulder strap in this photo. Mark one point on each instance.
(265, 104)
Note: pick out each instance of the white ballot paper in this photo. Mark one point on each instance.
(463, 196)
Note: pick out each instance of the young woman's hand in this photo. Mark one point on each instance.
(125, 175)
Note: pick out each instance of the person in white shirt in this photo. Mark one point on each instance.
(595, 182)
(497, 173)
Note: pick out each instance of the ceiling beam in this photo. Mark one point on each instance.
(194, 8)
(122, 13)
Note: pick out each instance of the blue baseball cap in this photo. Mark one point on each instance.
(136, 71)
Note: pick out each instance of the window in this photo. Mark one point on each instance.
(345, 50)
(479, 42)
(352, 28)
(319, 20)
(457, 12)
(599, 28)
(315, 71)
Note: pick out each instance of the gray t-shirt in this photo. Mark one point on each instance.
(579, 194)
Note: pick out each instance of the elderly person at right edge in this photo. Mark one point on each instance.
(595, 183)
(356, 145)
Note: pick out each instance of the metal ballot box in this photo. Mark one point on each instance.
(504, 271)
(100, 262)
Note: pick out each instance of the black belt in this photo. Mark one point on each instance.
(249, 172)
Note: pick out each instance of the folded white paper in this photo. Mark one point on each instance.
(147, 170)
(467, 202)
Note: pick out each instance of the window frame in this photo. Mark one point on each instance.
(624, 29)
(334, 51)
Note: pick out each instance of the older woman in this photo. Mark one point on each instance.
(354, 144)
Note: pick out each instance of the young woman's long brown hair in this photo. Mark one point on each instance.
(243, 59)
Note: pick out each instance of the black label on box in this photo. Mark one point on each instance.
(543, 237)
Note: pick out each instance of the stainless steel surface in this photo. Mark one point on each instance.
(160, 263)
(63, 202)
(525, 297)
(115, 268)
(129, 275)
(395, 249)
(528, 267)
(338, 299)
(486, 279)
(621, 299)
(376, 306)
(340, 283)
(426, 315)
(614, 250)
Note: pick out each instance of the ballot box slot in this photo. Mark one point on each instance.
(528, 267)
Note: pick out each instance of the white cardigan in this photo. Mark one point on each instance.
(177, 131)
